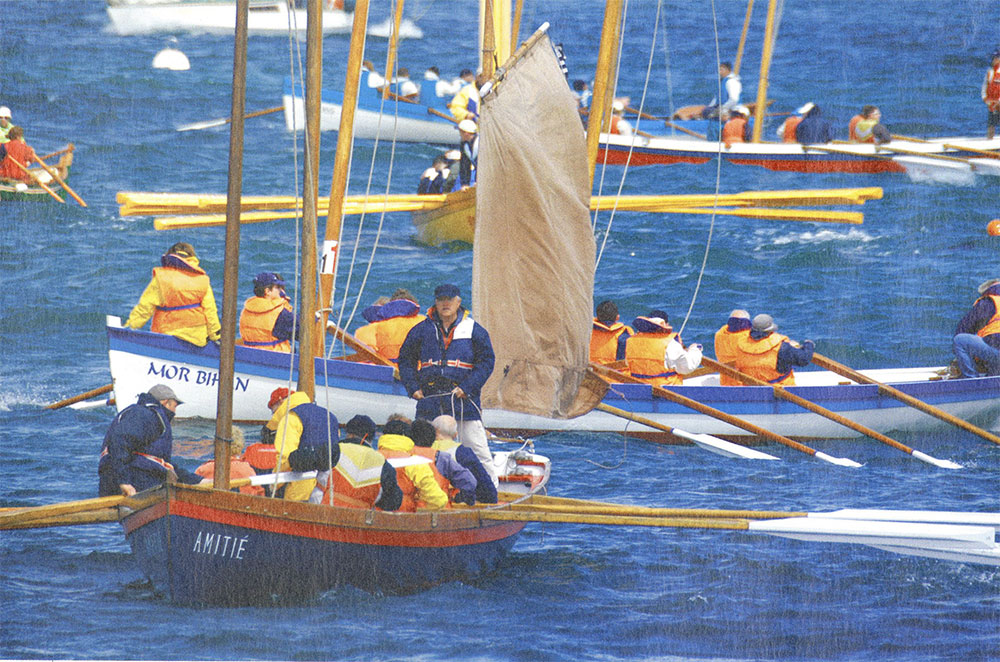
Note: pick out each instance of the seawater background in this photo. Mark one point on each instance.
(885, 293)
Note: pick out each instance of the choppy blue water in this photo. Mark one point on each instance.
(882, 294)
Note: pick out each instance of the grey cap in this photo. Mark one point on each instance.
(764, 323)
(988, 284)
(164, 392)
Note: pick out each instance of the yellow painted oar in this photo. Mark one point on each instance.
(83, 396)
(35, 177)
(861, 378)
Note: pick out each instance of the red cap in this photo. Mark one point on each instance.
(277, 395)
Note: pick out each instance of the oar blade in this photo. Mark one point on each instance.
(723, 447)
(927, 516)
(942, 464)
(911, 535)
(206, 124)
(982, 557)
(839, 461)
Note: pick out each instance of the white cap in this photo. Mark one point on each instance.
(468, 126)
(5, 112)
(805, 108)
(617, 106)
(742, 110)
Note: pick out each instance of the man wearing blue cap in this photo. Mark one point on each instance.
(443, 363)
(268, 320)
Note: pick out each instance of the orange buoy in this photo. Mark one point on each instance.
(993, 228)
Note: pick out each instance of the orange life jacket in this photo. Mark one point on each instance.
(726, 351)
(759, 358)
(645, 353)
(993, 85)
(790, 125)
(182, 292)
(261, 456)
(604, 341)
(993, 326)
(409, 504)
(17, 149)
(390, 334)
(734, 131)
(356, 480)
(257, 321)
(366, 334)
(237, 469)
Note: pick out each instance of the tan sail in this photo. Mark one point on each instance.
(533, 261)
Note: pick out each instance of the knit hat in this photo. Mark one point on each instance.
(277, 395)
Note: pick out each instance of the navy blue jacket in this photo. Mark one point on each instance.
(814, 128)
(982, 312)
(426, 365)
(137, 449)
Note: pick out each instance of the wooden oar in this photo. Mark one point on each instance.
(435, 111)
(73, 519)
(682, 129)
(708, 442)
(927, 155)
(68, 148)
(845, 152)
(11, 519)
(841, 369)
(83, 396)
(612, 376)
(226, 120)
(35, 177)
(55, 175)
(358, 346)
(783, 393)
(982, 152)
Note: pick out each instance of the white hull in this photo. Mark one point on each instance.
(370, 125)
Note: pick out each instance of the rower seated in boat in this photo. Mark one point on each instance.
(770, 356)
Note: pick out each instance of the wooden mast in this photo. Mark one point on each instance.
(765, 68)
(390, 65)
(603, 89)
(310, 193)
(342, 159)
(488, 27)
(230, 287)
(743, 38)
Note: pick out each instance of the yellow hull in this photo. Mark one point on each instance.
(455, 220)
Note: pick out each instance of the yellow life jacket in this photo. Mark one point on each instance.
(257, 321)
(993, 326)
(390, 334)
(726, 351)
(645, 353)
(759, 358)
(604, 341)
(182, 292)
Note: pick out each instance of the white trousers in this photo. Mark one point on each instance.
(472, 434)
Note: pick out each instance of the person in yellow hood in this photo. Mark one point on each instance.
(179, 299)
(421, 491)
(298, 422)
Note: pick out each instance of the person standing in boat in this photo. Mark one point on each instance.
(138, 446)
(619, 125)
(608, 335)
(359, 476)
(469, 133)
(443, 363)
(6, 124)
(655, 353)
(16, 149)
(991, 95)
(977, 336)
(179, 298)
(442, 88)
(268, 320)
(238, 467)
(732, 87)
(727, 339)
(771, 356)
(432, 179)
(814, 128)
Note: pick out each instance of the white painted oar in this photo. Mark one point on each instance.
(839, 461)
(723, 447)
(207, 124)
(89, 404)
(927, 516)
(974, 544)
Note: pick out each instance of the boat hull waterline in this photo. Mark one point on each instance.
(140, 359)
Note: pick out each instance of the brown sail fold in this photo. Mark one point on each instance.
(533, 260)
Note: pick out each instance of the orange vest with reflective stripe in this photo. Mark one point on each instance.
(604, 341)
(356, 480)
(645, 353)
(390, 334)
(726, 351)
(852, 128)
(993, 326)
(182, 292)
(759, 358)
(257, 321)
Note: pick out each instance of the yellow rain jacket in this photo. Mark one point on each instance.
(288, 427)
(179, 299)
(420, 488)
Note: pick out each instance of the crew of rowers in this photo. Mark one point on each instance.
(808, 126)
(411, 466)
(654, 353)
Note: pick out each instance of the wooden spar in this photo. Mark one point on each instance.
(846, 152)
(207, 124)
(861, 378)
(685, 130)
(390, 65)
(230, 284)
(68, 148)
(765, 69)
(83, 396)
(515, 29)
(488, 60)
(545, 502)
(35, 177)
(981, 152)
(612, 375)
(782, 393)
(338, 186)
(743, 38)
(358, 346)
(54, 172)
(607, 55)
(310, 192)
(910, 152)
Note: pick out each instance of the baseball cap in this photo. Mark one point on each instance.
(164, 392)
